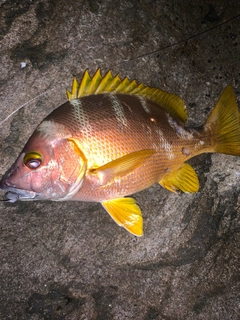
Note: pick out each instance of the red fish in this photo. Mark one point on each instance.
(114, 138)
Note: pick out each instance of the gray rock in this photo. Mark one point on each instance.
(70, 260)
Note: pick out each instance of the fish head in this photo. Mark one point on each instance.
(50, 167)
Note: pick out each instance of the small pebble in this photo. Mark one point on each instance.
(23, 65)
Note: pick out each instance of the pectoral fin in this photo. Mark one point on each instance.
(126, 213)
(184, 179)
(121, 166)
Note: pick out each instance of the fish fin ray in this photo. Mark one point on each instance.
(184, 179)
(224, 124)
(98, 84)
(84, 84)
(126, 213)
(74, 93)
(121, 166)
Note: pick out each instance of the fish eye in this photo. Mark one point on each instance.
(32, 160)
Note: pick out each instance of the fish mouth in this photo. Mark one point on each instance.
(14, 194)
(18, 194)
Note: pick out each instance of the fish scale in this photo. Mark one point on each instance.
(109, 139)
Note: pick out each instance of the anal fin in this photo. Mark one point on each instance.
(126, 213)
(184, 179)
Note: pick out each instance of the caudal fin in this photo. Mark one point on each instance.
(224, 124)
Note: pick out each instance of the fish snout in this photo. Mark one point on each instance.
(4, 184)
(7, 177)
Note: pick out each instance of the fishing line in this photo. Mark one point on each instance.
(135, 58)
(182, 41)
(23, 105)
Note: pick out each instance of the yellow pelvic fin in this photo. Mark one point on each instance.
(184, 179)
(107, 83)
(223, 124)
(121, 166)
(126, 213)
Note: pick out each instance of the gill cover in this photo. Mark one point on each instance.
(73, 168)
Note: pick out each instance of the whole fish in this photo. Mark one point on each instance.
(116, 137)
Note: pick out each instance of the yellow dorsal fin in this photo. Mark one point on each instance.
(105, 84)
(184, 179)
(126, 213)
(121, 166)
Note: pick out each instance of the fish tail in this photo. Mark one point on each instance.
(224, 124)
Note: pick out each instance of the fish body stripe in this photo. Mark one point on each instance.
(81, 115)
(180, 131)
(118, 109)
(166, 145)
(144, 104)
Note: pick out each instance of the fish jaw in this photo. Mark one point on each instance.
(13, 194)
(9, 183)
(21, 195)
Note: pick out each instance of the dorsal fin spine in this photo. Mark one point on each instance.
(107, 84)
(104, 83)
(138, 89)
(86, 79)
(96, 80)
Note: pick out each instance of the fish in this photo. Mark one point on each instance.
(113, 138)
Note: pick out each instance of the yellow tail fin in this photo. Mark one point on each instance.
(224, 124)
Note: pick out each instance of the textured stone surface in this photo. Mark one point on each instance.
(70, 260)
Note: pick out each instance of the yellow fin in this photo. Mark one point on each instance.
(184, 179)
(107, 83)
(121, 166)
(75, 86)
(126, 213)
(223, 124)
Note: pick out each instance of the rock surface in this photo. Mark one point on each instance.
(70, 260)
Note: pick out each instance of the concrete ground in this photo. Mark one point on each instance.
(70, 260)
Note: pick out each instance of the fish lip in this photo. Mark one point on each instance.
(14, 194)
